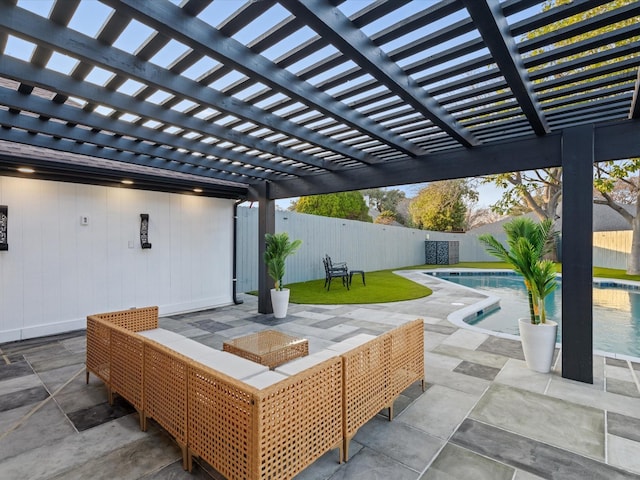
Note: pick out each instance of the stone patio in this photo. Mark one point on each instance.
(484, 414)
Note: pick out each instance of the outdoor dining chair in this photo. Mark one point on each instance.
(332, 271)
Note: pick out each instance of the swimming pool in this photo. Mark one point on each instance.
(616, 309)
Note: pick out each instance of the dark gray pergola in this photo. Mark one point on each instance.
(266, 100)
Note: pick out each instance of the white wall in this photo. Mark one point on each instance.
(364, 246)
(57, 271)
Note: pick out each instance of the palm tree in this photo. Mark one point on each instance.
(528, 242)
(278, 248)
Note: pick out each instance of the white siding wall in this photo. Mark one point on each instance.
(57, 271)
(364, 246)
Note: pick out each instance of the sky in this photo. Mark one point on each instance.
(488, 194)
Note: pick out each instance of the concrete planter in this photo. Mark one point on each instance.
(538, 343)
(280, 302)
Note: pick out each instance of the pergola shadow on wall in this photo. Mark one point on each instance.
(267, 100)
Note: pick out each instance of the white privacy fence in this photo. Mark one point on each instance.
(370, 247)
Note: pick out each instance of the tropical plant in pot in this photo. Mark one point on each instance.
(527, 243)
(278, 248)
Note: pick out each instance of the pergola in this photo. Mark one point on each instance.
(264, 100)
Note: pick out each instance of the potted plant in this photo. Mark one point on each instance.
(528, 242)
(278, 248)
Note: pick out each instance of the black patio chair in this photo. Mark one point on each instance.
(335, 272)
(333, 264)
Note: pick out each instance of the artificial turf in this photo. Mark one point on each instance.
(382, 286)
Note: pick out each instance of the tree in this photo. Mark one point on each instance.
(441, 206)
(386, 201)
(385, 218)
(349, 205)
(607, 176)
(476, 217)
(540, 191)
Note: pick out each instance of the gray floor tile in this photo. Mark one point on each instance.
(174, 471)
(407, 445)
(47, 455)
(29, 396)
(439, 411)
(50, 445)
(477, 370)
(43, 427)
(444, 329)
(17, 369)
(629, 389)
(616, 362)
(370, 465)
(456, 463)
(623, 426)
(572, 427)
(150, 453)
(503, 346)
(97, 415)
(531, 456)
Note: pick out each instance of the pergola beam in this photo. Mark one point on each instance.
(54, 81)
(634, 112)
(36, 29)
(330, 23)
(613, 141)
(166, 17)
(58, 136)
(156, 138)
(492, 24)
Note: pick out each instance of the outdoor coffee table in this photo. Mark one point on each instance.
(270, 347)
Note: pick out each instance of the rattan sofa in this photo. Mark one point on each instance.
(267, 424)
(376, 372)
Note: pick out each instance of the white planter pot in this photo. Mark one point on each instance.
(538, 343)
(280, 302)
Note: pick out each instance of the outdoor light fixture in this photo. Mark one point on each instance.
(144, 230)
(197, 190)
(26, 170)
(127, 182)
(4, 211)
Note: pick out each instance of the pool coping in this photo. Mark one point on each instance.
(491, 302)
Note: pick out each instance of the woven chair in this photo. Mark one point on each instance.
(334, 272)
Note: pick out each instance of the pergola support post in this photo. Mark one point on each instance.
(577, 253)
(266, 224)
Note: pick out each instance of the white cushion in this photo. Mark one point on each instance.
(162, 336)
(264, 379)
(351, 343)
(224, 362)
(302, 363)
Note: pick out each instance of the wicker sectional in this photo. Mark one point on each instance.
(266, 425)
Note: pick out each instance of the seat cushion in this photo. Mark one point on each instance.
(162, 336)
(300, 364)
(264, 379)
(351, 342)
(224, 362)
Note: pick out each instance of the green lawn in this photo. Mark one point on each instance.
(383, 286)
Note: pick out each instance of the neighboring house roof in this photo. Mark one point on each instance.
(605, 219)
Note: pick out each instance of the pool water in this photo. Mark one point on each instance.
(616, 310)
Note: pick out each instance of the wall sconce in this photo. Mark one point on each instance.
(4, 220)
(144, 230)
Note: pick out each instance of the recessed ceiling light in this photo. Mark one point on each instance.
(127, 182)
(26, 170)
(197, 190)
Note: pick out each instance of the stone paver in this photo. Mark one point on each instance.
(483, 415)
